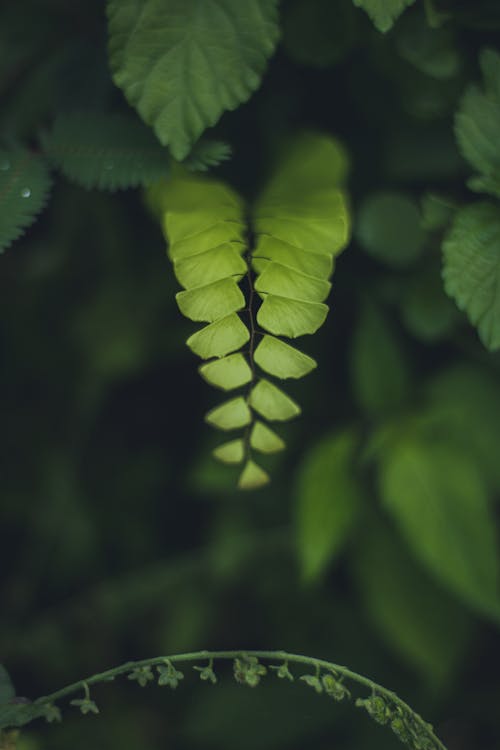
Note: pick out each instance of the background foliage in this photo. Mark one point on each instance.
(376, 543)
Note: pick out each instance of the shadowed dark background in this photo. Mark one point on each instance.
(121, 538)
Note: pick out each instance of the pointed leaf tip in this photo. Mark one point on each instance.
(252, 477)
(265, 440)
(272, 403)
(228, 372)
(282, 360)
(232, 452)
(230, 415)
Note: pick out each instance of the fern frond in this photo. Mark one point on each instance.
(110, 152)
(24, 189)
(207, 153)
(301, 222)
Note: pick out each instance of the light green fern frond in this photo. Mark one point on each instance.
(301, 222)
(110, 152)
(24, 190)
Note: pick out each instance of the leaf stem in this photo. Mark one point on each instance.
(316, 664)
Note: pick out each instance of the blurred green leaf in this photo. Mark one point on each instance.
(379, 374)
(183, 64)
(471, 268)
(328, 499)
(7, 690)
(383, 13)
(436, 211)
(388, 227)
(437, 496)
(465, 408)
(432, 51)
(477, 126)
(426, 310)
(416, 618)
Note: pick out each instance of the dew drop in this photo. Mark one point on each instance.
(25, 193)
(4, 165)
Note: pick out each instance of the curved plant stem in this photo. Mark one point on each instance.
(280, 656)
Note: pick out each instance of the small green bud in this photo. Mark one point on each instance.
(143, 675)
(248, 671)
(377, 708)
(283, 672)
(52, 713)
(313, 681)
(207, 674)
(85, 705)
(400, 729)
(169, 675)
(334, 688)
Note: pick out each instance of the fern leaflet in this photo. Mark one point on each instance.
(300, 222)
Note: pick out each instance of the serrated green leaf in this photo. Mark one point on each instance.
(477, 126)
(232, 452)
(107, 151)
(270, 248)
(384, 13)
(265, 440)
(471, 270)
(437, 496)
(219, 338)
(417, 619)
(207, 153)
(211, 302)
(327, 502)
(183, 63)
(282, 360)
(24, 190)
(291, 318)
(389, 228)
(7, 690)
(379, 374)
(230, 415)
(212, 265)
(227, 373)
(252, 477)
(272, 403)
(287, 282)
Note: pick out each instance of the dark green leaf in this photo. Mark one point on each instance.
(110, 152)
(24, 190)
(416, 618)
(471, 269)
(379, 374)
(7, 690)
(183, 63)
(437, 496)
(383, 13)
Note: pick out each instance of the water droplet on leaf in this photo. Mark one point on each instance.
(25, 192)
